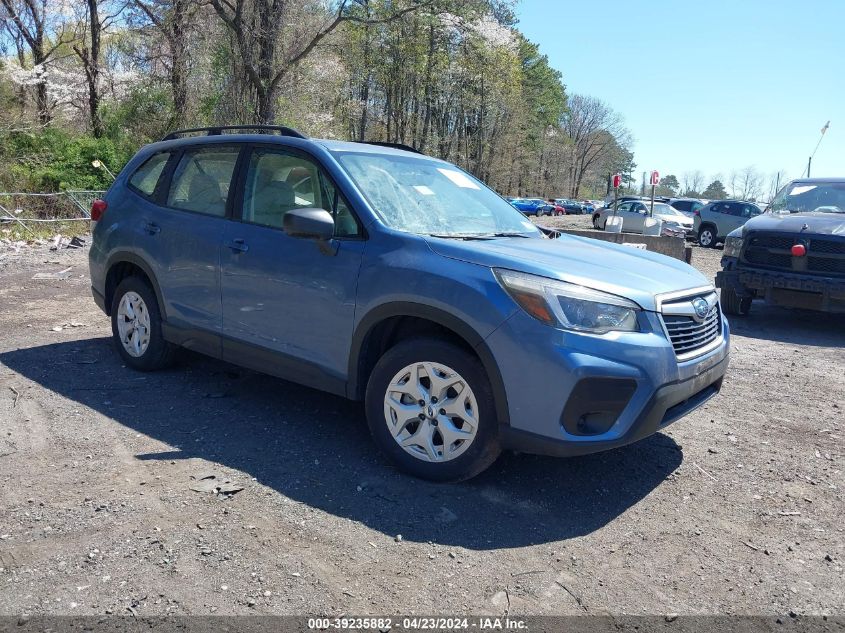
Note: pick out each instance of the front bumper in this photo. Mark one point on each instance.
(782, 288)
(542, 379)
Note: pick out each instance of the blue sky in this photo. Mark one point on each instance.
(715, 85)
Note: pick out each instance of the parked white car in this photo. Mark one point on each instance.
(635, 212)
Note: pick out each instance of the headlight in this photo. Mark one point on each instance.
(733, 245)
(569, 306)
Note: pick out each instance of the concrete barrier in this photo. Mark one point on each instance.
(671, 246)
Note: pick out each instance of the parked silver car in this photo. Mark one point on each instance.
(635, 212)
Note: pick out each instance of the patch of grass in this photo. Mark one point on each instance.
(43, 230)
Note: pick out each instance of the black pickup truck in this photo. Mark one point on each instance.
(793, 254)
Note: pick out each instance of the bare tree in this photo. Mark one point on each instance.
(40, 24)
(594, 131)
(746, 184)
(692, 183)
(776, 180)
(258, 27)
(172, 19)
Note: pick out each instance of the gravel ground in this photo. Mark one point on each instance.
(737, 509)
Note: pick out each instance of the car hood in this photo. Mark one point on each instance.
(685, 221)
(818, 223)
(636, 274)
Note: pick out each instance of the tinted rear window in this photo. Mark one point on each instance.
(202, 178)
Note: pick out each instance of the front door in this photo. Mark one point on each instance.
(289, 303)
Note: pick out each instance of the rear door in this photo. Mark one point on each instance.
(289, 303)
(180, 238)
(735, 216)
(635, 220)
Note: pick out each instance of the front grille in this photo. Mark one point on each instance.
(767, 258)
(825, 256)
(688, 333)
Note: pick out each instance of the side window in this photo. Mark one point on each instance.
(345, 224)
(720, 207)
(277, 182)
(145, 178)
(202, 179)
(625, 206)
(734, 209)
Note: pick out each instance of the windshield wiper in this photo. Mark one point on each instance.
(462, 236)
(479, 236)
(509, 234)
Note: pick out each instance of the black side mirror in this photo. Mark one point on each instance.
(309, 223)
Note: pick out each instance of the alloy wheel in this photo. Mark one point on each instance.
(431, 411)
(133, 324)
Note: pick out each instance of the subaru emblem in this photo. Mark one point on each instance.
(701, 307)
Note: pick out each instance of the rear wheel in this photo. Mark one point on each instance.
(707, 237)
(596, 219)
(430, 410)
(136, 326)
(733, 304)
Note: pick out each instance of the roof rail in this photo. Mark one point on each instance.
(401, 146)
(216, 130)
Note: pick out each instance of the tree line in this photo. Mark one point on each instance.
(455, 79)
(743, 184)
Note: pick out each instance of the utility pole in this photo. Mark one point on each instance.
(810, 160)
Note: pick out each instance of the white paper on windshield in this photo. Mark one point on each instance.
(797, 191)
(426, 191)
(458, 178)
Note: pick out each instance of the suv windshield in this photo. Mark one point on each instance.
(428, 197)
(823, 197)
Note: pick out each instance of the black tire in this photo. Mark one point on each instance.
(596, 219)
(483, 450)
(733, 304)
(707, 236)
(159, 353)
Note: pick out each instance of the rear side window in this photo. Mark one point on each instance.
(145, 178)
(202, 179)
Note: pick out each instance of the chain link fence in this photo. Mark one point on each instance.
(27, 210)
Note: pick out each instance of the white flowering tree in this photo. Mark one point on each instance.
(39, 29)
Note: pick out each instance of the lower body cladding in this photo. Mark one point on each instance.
(573, 394)
(791, 290)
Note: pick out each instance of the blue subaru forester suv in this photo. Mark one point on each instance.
(383, 275)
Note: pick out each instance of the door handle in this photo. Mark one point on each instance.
(238, 246)
(152, 228)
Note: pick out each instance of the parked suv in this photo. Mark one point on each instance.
(716, 219)
(387, 276)
(687, 206)
(793, 255)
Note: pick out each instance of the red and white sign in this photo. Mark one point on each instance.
(655, 178)
(617, 180)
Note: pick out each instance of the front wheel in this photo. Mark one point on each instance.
(707, 237)
(136, 326)
(733, 304)
(431, 411)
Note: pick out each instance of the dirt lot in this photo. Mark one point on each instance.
(737, 509)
